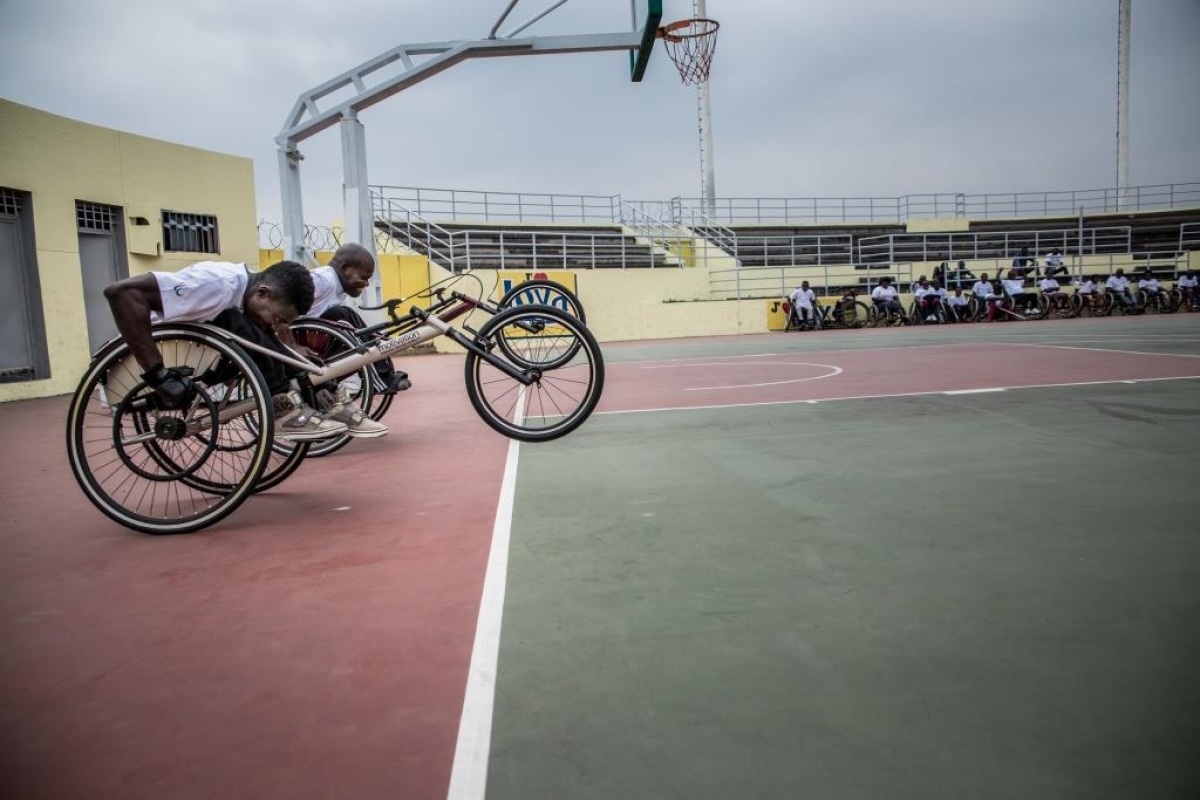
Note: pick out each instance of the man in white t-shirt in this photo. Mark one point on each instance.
(1014, 288)
(1150, 291)
(804, 302)
(1055, 298)
(959, 305)
(1187, 285)
(347, 275)
(985, 293)
(1054, 264)
(252, 305)
(1118, 288)
(887, 300)
(929, 301)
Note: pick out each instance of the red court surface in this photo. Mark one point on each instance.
(317, 642)
(313, 644)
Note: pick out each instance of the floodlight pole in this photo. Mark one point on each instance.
(1124, 23)
(708, 178)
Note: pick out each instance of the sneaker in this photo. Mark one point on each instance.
(358, 424)
(296, 422)
(398, 382)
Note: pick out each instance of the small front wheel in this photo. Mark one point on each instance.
(563, 390)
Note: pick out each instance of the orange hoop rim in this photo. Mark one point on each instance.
(697, 27)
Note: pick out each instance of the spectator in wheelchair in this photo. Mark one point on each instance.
(929, 301)
(1149, 284)
(1187, 289)
(985, 292)
(253, 305)
(959, 305)
(1014, 289)
(804, 302)
(1053, 293)
(1118, 286)
(887, 299)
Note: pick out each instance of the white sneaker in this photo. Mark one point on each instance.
(296, 422)
(345, 411)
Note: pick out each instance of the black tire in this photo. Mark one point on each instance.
(160, 471)
(560, 399)
(329, 341)
(856, 315)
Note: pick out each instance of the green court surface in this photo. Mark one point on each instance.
(975, 594)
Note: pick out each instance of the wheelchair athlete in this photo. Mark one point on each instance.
(349, 272)
(1056, 298)
(1150, 293)
(1118, 289)
(1186, 286)
(256, 306)
(887, 302)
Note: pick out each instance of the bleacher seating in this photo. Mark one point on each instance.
(472, 245)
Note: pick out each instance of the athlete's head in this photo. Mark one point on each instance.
(278, 295)
(354, 266)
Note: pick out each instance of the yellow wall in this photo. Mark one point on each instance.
(58, 161)
(933, 225)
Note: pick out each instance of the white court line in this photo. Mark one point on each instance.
(1099, 349)
(974, 391)
(468, 776)
(794, 353)
(835, 372)
(898, 394)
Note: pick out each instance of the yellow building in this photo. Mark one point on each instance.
(82, 206)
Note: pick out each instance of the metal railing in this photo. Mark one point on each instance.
(518, 207)
(827, 280)
(985, 244)
(1189, 236)
(489, 206)
(817, 210)
(658, 232)
(704, 226)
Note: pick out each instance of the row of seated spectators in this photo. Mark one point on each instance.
(1019, 294)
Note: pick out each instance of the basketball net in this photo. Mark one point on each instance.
(690, 43)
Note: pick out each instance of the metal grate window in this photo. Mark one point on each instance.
(94, 216)
(189, 233)
(9, 202)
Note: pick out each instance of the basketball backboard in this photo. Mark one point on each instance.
(647, 14)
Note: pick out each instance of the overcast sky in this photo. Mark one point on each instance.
(819, 98)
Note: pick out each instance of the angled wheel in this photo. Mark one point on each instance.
(544, 292)
(162, 471)
(561, 394)
(534, 293)
(330, 342)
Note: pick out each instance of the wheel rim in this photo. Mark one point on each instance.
(164, 479)
(559, 398)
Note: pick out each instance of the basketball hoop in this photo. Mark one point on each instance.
(690, 43)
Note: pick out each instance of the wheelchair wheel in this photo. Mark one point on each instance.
(548, 294)
(543, 292)
(563, 393)
(329, 341)
(856, 315)
(161, 471)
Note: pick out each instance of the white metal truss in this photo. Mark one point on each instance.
(328, 104)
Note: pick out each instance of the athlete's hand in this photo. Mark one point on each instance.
(174, 388)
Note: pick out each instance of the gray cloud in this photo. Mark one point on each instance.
(823, 98)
